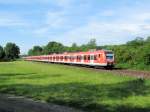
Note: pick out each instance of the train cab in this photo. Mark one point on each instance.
(109, 58)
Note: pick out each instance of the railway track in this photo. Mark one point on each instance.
(124, 72)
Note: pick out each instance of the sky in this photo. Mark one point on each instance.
(36, 22)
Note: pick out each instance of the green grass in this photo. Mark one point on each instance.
(77, 87)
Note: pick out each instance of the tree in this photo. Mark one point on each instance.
(147, 59)
(12, 51)
(2, 53)
(148, 39)
(138, 41)
(53, 47)
(30, 52)
(37, 50)
(74, 48)
(92, 44)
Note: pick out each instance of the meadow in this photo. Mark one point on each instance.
(77, 87)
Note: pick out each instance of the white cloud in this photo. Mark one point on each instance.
(41, 31)
(55, 19)
(111, 32)
(143, 16)
(106, 32)
(107, 13)
(63, 3)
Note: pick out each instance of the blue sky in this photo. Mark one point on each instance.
(36, 22)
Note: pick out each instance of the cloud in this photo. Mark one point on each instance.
(107, 13)
(63, 3)
(120, 30)
(143, 16)
(55, 19)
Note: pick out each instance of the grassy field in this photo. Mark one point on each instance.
(77, 87)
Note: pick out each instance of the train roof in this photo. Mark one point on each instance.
(79, 53)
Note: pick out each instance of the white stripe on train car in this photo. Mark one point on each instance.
(82, 63)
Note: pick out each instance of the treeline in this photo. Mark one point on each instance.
(135, 53)
(56, 47)
(10, 52)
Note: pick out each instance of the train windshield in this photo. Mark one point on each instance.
(109, 55)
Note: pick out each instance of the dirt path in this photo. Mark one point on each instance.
(136, 73)
(10, 103)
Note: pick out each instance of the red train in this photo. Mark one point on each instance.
(104, 58)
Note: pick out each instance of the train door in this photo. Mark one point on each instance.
(82, 58)
(92, 59)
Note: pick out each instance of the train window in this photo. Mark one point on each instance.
(84, 57)
(70, 57)
(66, 57)
(80, 57)
(95, 57)
(61, 58)
(109, 55)
(77, 57)
(88, 57)
(99, 55)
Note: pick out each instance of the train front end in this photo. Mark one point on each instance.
(110, 58)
